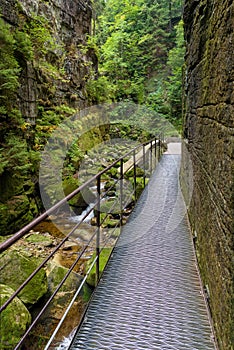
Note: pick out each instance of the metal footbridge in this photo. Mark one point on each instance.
(150, 295)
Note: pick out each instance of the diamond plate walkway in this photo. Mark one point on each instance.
(150, 295)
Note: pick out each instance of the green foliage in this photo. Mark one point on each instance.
(175, 63)
(166, 99)
(47, 122)
(73, 159)
(16, 156)
(141, 52)
(38, 29)
(3, 161)
(23, 46)
(103, 259)
(100, 90)
(9, 67)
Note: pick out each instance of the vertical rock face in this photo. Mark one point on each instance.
(208, 132)
(67, 24)
(54, 64)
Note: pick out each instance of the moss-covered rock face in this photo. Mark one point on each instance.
(16, 267)
(208, 128)
(14, 320)
(48, 63)
(17, 211)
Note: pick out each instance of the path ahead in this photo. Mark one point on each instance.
(150, 296)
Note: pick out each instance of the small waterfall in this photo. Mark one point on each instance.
(80, 217)
(64, 345)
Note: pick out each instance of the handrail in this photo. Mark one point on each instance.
(153, 144)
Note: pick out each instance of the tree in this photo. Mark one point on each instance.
(134, 37)
(175, 64)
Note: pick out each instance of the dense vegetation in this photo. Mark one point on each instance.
(139, 45)
(141, 51)
(26, 48)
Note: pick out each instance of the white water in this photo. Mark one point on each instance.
(64, 345)
(80, 217)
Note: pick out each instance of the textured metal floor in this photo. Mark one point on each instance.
(150, 295)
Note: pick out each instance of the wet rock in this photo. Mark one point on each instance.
(83, 233)
(69, 245)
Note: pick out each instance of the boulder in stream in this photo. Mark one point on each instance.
(16, 267)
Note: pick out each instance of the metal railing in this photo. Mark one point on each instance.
(144, 156)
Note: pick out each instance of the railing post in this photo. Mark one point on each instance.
(151, 157)
(159, 146)
(134, 175)
(144, 164)
(121, 192)
(155, 152)
(98, 229)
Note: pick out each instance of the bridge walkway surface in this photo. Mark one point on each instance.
(150, 295)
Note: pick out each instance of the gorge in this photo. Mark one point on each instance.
(49, 72)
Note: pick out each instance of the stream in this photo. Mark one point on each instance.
(68, 253)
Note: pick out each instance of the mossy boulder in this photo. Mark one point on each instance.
(82, 200)
(139, 172)
(107, 220)
(14, 320)
(55, 274)
(103, 259)
(139, 185)
(110, 185)
(40, 240)
(110, 206)
(16, 267)
(15, 213)
(113, 172)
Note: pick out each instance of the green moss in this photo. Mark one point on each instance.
(139, 173)
(14, 320)
(110, 185)
(103, 259)
(110, 206)
(55, 276)
(109, 221)
(113, 172)
(16, 268)
(139, 185)
(15, 213)
(39, 239)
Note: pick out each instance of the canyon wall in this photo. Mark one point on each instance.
(61, 66)
(207, 169)
(45, 52)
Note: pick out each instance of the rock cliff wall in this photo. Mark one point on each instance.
(209, 136)
(58, 31)
(45, 52)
